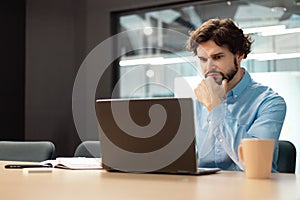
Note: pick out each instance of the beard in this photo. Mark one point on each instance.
(229, 76)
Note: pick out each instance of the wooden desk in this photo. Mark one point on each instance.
(97, 184)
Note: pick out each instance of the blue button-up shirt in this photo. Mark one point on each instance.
(250, 110)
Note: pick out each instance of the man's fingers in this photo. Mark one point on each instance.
(224, 84)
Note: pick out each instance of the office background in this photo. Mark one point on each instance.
(43, 44)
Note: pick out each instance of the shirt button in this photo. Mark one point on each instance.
(217, 150)
(221, 140)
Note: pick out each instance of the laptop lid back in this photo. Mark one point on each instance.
(147, 135)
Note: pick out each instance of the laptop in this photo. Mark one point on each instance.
(154, 135)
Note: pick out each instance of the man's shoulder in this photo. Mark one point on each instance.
(266, 94)
(256, 91)
(258, 88)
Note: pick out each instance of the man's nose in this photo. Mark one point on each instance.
(210, 64)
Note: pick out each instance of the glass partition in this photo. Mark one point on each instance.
(149, 65)
(274, 26)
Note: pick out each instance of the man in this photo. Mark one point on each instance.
(230, 105)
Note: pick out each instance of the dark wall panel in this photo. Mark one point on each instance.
(12, 68)
(53, 47)
(59, 35)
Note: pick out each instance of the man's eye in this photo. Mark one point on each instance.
(202, 59)
(217, 57)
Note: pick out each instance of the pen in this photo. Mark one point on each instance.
(21, 166)
(37, 170)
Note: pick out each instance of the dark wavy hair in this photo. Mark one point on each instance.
(224, 32)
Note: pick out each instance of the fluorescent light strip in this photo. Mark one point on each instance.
(272, 56)
(263, 29)
(281, 32)
(166, 61)
(156, 61)
(142, 61)
(260, 56)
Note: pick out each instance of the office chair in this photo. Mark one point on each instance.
(286, 157)
(89, 149)
(32, 151)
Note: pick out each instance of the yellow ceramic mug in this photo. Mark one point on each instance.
(257, 157)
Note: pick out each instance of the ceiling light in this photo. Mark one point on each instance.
(263, 29)
(278, 9)
(272, 56)
(281, 32)
(141, 61)
(157, 61)
(150, 73)
(148, 30)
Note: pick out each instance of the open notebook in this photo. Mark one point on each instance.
(149, 136)
(74, 163)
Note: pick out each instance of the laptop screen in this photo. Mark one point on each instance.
(147, 135)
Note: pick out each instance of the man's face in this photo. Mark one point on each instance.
(217, 62)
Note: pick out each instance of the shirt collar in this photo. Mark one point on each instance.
(241, 86)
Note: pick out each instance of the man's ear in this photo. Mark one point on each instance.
(240, 57)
